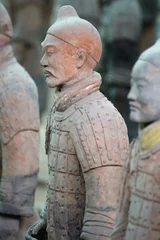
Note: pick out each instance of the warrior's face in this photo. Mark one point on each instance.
(58, 61)
(144, 96)
(5, 27)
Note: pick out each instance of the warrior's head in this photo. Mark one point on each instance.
(144, 96)
(72, 48)
(5, 27)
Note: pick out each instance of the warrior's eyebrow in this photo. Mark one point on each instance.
(139, 78)
(46, 47)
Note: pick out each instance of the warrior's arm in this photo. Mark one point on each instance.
(123, 206)
(101, 174)
(19, 173)
(101, 194)
(19, 122)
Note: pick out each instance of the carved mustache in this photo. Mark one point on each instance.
(48, 73)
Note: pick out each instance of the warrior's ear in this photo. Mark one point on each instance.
(81, 57)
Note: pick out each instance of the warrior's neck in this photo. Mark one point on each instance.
(76, 90)
(72, 82)
(6, 56)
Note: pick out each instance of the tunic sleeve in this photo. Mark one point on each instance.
(123, 206)
(101, 152)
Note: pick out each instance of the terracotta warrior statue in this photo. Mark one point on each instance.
(127, 28)
(19, 126)
(120, 29)
(29, 29)
(139, 206)
(86, 137)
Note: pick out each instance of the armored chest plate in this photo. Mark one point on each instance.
(66, 184)
(144, 212)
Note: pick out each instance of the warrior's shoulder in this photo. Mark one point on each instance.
(19, 108)
(16, 76)
(97, 105)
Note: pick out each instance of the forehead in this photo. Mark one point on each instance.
(51, 41)
(144, 71)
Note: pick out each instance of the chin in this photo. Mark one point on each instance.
(51, 83)
(135, 118)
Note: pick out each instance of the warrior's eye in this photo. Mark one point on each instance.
(140, 86)
(50, 50)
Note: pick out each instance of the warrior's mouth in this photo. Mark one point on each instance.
(133, 106)
(48, 74)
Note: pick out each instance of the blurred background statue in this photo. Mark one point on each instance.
(19, 126)
(139, 205)
(28, 29)
(30, 20)
(127, 27)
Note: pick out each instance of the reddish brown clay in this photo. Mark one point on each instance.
(139, 207)
(86, 137)
(19, 125)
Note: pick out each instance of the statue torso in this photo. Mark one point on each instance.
(66, 184)
(144, 211)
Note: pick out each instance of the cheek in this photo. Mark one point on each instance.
(69, 66)
(145, 107)
(144, 98)
(153, 107)
(62, 66)
(149, 109)
(53, 62)
(57, 67)
(68, 70)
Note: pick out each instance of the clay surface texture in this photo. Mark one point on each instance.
(19, 126)
(139, 205)
(86, 137)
